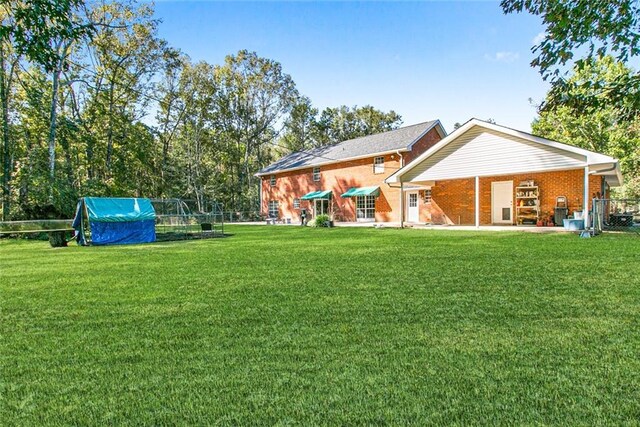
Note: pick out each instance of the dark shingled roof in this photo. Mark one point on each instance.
(398, 139)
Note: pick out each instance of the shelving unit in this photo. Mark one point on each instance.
(527, 205)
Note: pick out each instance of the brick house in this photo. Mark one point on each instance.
(484, 173)
(346, 180)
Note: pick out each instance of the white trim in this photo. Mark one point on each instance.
(590, 157)
(440, 129)
(585, 205)
(477, 201)
(416, 187)
(416, 207)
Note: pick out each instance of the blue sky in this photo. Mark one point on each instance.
(425, 60)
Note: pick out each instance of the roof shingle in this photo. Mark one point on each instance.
(397, 139)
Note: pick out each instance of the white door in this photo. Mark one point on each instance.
(502, 202)
(412, 207)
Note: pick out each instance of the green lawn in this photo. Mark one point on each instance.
(292, 325)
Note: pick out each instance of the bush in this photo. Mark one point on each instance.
(322, 221)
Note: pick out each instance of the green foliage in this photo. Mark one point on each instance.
(284, 325)
(73, 118)
(597, 28)
(598, 126)
(579, 33)
(306, 129)
(321, 220)
(342, 123)
(36, 28)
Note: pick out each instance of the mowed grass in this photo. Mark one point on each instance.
(292, 325)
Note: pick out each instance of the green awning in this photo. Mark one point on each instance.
(362, 191)
(317, 195)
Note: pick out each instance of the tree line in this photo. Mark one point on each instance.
(94, 102)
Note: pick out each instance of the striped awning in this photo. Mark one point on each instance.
(362, 191)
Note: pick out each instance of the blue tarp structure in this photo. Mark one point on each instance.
(115, 221)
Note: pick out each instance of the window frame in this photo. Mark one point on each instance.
(272, 180)
(365, 208)
(296, 203)
(378, 164)
(413, 200)
(316, 174)
(428, 195)
(273, 206)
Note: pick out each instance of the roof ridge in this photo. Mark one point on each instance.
(384, 132)
(394, 139)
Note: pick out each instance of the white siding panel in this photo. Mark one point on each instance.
(481, 152)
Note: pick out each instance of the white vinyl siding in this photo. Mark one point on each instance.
(316, 174)
(481, 152)
(378, 164)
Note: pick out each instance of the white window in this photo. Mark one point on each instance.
(413, 200)
(366, 207)
(316, 174)
(378, 164)
(272, 180)
(427, 195)
(273, 209)
(296, 203)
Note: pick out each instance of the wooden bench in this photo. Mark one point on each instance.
(56, 229)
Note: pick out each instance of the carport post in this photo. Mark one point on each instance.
(477, 194)
(401, 204)
(585, 205)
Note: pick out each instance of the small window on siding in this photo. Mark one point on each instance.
(296, 203)
(272, 180)
(427, 196)
(378, 164)
(316, 174)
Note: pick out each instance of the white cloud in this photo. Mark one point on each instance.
(538, 38)
(502, 57)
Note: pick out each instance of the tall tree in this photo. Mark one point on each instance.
(128, 54)
(253, 96)
(9, 66)
(342, 123)
(44, 31)
(600, 126)
(578, 32)
(300, 128)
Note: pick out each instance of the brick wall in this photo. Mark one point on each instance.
(454, 200)
(338, 178)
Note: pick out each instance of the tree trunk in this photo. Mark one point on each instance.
(5, 86)
(52, 125)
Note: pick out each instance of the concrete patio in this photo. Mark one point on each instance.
(523, 228)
